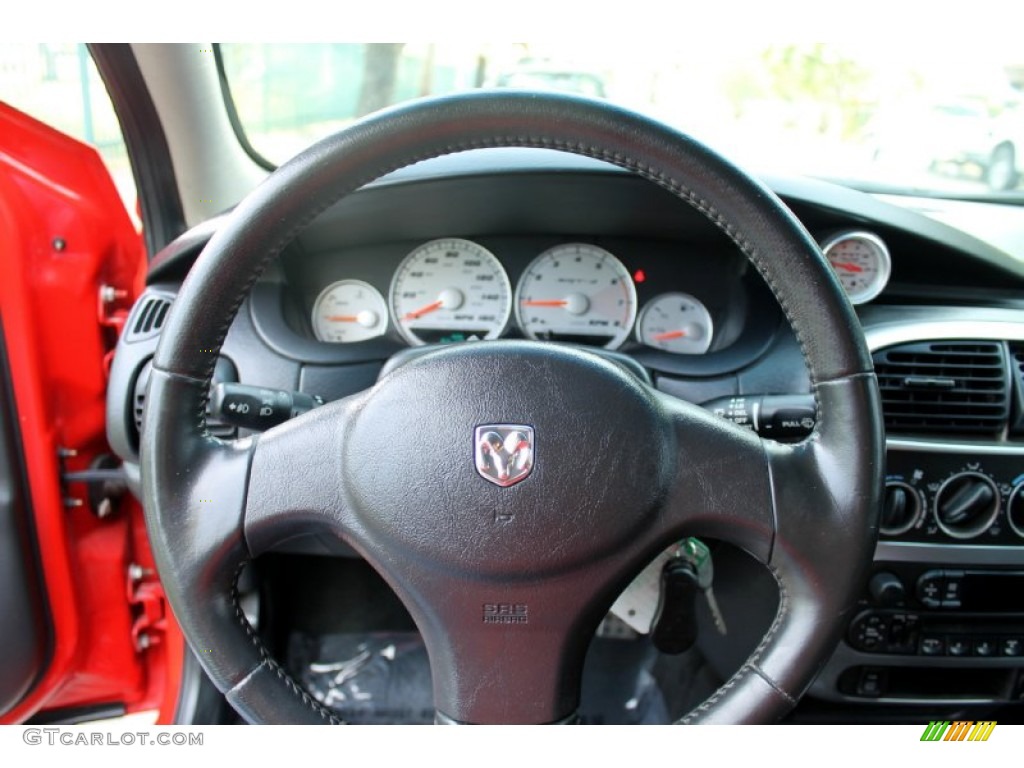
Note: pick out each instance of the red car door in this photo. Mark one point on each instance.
(87, 631)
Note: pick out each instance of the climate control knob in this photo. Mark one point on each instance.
(1015, 510)
(966, 505)
(901, 508)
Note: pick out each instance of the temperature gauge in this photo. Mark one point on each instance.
(349, 310)
(677, 323)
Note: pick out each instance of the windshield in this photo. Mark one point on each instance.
(912, 119)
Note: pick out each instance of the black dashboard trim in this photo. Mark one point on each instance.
(265, 312)
(822, 206)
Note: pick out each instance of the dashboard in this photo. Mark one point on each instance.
(530, 244)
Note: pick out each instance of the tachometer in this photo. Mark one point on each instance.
(450, 290)
(349, 310)
(675, 322)
(862, 263)
(576, 292)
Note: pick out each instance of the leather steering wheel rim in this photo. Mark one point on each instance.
(807, 511)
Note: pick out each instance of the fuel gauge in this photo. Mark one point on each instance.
(677, 323)
(348, 311)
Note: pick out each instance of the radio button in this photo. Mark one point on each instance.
(958, 646)
(985, 647)
(932, 645)
(930, 588)
(952, 589)
(900, 640)
(869, 631)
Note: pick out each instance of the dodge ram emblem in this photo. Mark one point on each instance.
(504, 453)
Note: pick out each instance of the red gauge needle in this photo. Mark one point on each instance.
(418, 313)
(848, 266)
(343, 319)
(545, 303)
(668, 335)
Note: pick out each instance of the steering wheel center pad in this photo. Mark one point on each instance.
(601, 456)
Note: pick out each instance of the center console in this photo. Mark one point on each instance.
(941, 619)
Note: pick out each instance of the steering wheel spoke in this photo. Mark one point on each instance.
(825, 497)
(502, 652)
(721, 482)
(296, 483)
(199, 485)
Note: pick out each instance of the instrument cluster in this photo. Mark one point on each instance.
(453, 289)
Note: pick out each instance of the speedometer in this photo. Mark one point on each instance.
(862, 263)
(450, 290)
(576, 292)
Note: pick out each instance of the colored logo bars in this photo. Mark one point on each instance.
(960, 730)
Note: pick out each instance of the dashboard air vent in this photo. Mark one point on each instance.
(947, 387)
(139, 397)
(148, 317)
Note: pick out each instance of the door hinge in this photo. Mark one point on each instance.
(149, 607)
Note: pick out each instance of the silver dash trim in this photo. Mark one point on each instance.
(949, 554)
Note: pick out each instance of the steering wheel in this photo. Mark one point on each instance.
(592, 472)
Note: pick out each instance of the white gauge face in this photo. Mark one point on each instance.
(677, 323)
(862, 263)
(450, 290)
(349, 310)
(578, 293)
